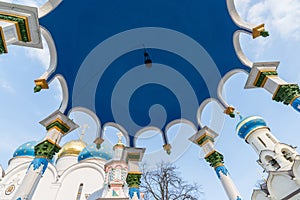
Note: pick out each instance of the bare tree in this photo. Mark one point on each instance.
(164, 183)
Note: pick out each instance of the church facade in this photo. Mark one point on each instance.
(79, 171)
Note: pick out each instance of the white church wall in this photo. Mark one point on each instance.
(45, 189)
(81, 180)
(280, 185)
(65, 162)
(16, 162)
(296, 169)
(13, 178)
(259, 195)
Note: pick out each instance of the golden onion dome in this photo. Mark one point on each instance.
(72, 148)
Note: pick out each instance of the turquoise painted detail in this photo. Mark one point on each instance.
(19, 198)
(134, 190)
(238, 198)
(91, 151)
(114, 194)
(222, 169)
(296, 104)
(248, 124)
(26, 149)
(38, 162)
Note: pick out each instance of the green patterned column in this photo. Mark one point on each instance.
(215, 159)
(287, 93)
(46, 149)
(134, 180)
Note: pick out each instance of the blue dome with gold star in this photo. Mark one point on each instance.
(91, 151)
(247, 125)
(26, 149)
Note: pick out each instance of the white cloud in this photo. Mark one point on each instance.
(282, 17)
(5, 85)
(8, 1)
(242, 7)
(57, 90)
(42, 55)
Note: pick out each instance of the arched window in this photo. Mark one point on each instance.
(118, 173)
(271, 138)
(262, 141)
(287, 154)
(272, 162)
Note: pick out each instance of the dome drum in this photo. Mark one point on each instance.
(249, 124)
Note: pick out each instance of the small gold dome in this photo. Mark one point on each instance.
(72, 148)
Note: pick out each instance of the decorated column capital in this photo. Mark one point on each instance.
(205, 138)
(133, 155)
(287, 93)
(46, 149)
(167, 148)
(57, 125)
(259, 31)
(22, 25)
(259, 74)
(264, 75)
(134, 179)
(40, 84)
(215, 159)
(230, 111)
(59, 122)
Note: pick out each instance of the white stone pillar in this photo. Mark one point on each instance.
(57, 125)
(205, 139)
(133, 156)
(227, 183)
(31, 179)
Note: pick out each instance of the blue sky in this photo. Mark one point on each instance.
(21, 109)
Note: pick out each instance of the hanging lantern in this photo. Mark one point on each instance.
(147, 60)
